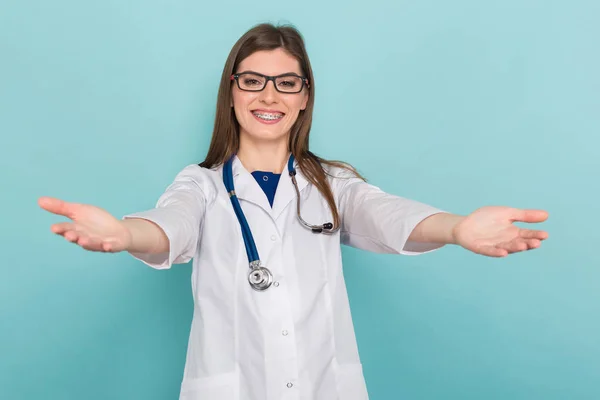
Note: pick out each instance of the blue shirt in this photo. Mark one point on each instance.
(268, 182)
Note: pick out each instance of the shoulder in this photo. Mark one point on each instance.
(194, 176)
(336, 170)
(341, 174)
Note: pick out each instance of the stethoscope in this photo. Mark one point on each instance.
(259, 277)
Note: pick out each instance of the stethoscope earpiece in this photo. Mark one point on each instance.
(319, 229)
(326, 227)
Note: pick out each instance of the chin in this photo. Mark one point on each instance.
(267, 136)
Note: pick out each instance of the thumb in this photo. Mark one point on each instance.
(530, 216)
(56, 206)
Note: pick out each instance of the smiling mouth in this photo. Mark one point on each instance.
(268, 116)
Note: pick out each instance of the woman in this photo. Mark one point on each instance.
(272, 320)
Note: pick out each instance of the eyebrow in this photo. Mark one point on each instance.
(260, 73)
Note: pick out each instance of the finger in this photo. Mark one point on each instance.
(519, 245)
(533, 234)
(90, 244)
(514, 246)
(492, 251)
(533, 243)
(530, 216)
(62, 227)
(97, 244)
(71, 236)
(56, 206)
(111, 245)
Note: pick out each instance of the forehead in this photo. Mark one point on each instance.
(270, 62)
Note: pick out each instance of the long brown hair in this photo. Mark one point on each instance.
(225, 139)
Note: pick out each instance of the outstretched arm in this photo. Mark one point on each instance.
(94, 229)
(488, 231)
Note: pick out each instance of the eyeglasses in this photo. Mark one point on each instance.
(255, 82)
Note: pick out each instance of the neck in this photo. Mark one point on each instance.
(268, 156)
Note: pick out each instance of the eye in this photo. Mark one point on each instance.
(289, 83)
(251, 81)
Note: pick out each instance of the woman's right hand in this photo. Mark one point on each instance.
(90, 227)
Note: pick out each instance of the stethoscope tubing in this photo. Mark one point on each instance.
(260, 277)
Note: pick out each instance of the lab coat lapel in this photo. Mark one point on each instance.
(246, 187)
(286, 192)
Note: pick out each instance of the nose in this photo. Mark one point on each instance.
(269, 94)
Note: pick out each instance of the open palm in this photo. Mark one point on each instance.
(490, 231)
(91, 228)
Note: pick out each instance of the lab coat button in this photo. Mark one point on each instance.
(273, 237)
(284, 333)
(275, 283)
(290, 384)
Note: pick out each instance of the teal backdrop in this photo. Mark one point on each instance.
(456, 104)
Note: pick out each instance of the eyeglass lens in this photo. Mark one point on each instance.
(253, 82)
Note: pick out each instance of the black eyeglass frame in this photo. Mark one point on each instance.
(268, 78)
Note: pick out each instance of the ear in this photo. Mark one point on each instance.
(305, 101)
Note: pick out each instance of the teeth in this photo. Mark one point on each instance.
(268, 116)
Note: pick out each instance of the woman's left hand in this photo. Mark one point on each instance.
(489, 231)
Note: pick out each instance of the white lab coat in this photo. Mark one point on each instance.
(295, 340)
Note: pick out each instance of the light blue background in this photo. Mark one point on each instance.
(456, 104)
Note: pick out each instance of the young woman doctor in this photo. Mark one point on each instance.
(263, 219)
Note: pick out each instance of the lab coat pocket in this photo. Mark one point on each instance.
(351, 382)
(217, 387)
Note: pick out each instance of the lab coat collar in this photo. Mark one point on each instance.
(246, 188)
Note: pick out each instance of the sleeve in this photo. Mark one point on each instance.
(179, 212)
(376, 221)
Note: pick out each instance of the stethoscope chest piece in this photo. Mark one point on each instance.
(260, 278)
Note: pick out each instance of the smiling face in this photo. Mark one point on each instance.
(268, 115)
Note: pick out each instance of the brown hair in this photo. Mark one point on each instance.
(225, 138)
